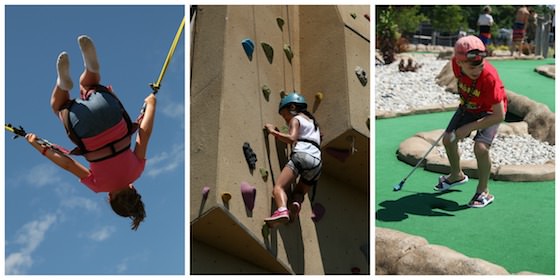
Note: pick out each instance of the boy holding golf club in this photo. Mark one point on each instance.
(483, 107)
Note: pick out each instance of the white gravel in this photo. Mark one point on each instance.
(397, 91)
(403, 91)
(509, 150)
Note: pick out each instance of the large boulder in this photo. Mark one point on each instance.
(399, 253)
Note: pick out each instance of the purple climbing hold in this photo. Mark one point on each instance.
(249, 47)
(248, 193)
(318, 212)
(205, 192)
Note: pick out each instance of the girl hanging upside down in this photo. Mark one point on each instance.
(305, 160)
(98, 124)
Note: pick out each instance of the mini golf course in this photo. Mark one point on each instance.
(516, 231)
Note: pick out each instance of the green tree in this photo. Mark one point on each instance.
(448, 18)
(387, 34)
(408, 18)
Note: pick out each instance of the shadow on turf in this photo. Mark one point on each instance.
(422, 204)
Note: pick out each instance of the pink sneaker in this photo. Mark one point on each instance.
(278, 217)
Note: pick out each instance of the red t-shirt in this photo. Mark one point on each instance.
(482, 93)
(113, 173)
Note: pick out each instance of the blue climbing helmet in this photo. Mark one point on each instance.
(294, 98)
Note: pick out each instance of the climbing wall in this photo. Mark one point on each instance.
(243, 58)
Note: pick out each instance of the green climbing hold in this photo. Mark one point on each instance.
(288, 52)
(283, 94)
(264, 174)
(353, 15)
(268, 51)
(266, 92)
(280, 22)
(265, 231)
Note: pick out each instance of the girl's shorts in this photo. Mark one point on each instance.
(461, 118)
(89, 117)
(307, 166)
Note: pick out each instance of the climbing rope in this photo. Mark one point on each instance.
(155, 86)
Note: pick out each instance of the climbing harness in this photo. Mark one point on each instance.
(114, 147)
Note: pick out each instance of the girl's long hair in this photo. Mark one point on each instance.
(303, 109)
(129, 204)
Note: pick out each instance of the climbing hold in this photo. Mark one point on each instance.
(340, 154)
(249, 47)
(284, 129)
(266, 92)
(318, 99)
(264, 174)
(250, 156)
(362, 75)
(248, 193)
(205, 192)
(367, 123)
(283, 94)
(265, 230)
(226, 197)
(268, 51)
(288, 52)
(318, 212)
(319, 96)
(280, 22)
(353, 15)
(367, 17)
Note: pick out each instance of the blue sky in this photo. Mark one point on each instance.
(53, 223)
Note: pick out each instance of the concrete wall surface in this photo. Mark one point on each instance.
(228, 109)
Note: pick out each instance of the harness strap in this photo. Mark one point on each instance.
(107, 151)
(311, 142)
(110, 150)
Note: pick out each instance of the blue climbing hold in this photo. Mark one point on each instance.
(249, 47)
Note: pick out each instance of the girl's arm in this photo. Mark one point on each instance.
(289, 138)
(61, 160)
(146, 127)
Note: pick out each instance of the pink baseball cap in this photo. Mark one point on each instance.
(469, 48)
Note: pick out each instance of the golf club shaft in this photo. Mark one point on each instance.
(424, 157)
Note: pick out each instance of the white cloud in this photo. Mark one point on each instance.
(166, 161)
(137, 259)
(79, 202)
(29, 236)
(102, 234)
(43, 175)
(174, 110)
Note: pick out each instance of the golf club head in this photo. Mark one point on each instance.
(398, 186)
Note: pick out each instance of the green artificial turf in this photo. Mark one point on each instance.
(520, 77)
(516, 231)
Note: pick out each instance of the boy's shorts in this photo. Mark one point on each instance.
(462, 117)
(307, 166)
